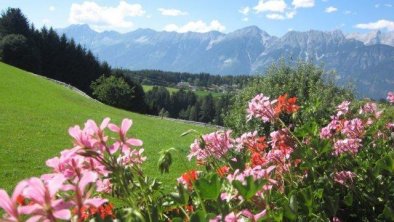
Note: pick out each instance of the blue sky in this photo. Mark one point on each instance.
(274, 16)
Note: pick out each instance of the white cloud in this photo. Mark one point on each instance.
(171, 12)
(291, 14)
(275, 16)
(196, 26)
(102, 17)
(380, 24)
(245, 19)
(244, 10)
(377, 5)
(331, 9)
(303, 3)
(388, 5)
(270, 6)
(52, 8)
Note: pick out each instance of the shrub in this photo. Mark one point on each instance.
(119, 92)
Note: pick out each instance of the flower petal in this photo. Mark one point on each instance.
(63, 214)
(134, 142)
(87, 177)
(126, 124)
(6, 203)
(96, 202)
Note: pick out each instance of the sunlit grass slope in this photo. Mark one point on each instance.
(35, 115)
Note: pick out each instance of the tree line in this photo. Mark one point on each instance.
(46, 53)
(166, 78)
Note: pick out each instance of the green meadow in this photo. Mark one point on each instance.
(35, 115)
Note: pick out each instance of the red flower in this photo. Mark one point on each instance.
(286, 105)
(188, 178)
(222, 171)
(257, 159)
(257, 145)
(106, 210)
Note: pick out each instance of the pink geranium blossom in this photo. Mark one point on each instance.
(261, 107)
(83, 196)
(9, 205)
(353, 128)
(344, 177)
(124, 142)
(371, 108)
(254, 217)
(215, 145)
(347, 146)
(45, 205)
(329, 131)
(343, 108)
(390, 97)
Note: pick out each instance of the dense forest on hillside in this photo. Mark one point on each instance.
(164, 78)
(46, 53)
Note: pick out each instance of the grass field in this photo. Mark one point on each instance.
(198, 92)
(35, 115)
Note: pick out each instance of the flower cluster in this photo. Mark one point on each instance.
(215, 145)
(263, 108)
(68, 191)
(347, 134)
(344, 177)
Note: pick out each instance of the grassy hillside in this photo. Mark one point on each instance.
(35, 115)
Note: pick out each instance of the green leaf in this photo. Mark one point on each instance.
(208, 188)
(348, 200)
(385, 164)
(198, 216)
(250, 189)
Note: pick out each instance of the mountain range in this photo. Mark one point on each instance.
(367, 60)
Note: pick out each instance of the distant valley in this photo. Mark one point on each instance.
(367, 60)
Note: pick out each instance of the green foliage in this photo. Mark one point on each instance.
(117, 91)
(314, 89)
(15, 50)
(46, 53)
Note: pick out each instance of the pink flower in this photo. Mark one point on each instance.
(390, 126)
(329, 131)
(244, 140)
(353, 128)
(372, 108)
(45, 204)
(104, 186)
(347, 146)
(344, 177)
(81, 137)
(390, 97)
(131, 158)
(98, 131)
(256, 172)
(83, 196)
(254, 217)
(280, 140)
(343, 108)
(9, 205)
(215, 145)
(261, 107)
(124, 141)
